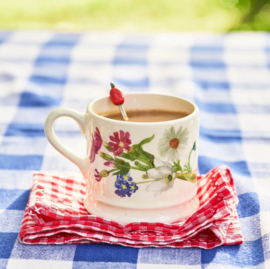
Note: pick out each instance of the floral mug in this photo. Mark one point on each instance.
(136, 171)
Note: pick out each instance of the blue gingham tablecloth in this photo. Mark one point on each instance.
(228, 76)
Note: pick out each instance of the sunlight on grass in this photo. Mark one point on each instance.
(128, 15)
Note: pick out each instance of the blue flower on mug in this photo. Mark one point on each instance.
(125, 177)
(172, 142)
(133, 187)
(125, 186)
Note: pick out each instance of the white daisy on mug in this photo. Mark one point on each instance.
(172, 143)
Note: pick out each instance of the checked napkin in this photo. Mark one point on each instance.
(55, 215)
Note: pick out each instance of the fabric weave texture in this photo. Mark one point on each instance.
(226, 75)
(55, 215)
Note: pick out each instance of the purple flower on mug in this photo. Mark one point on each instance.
(96, 143)
(97, 175)
(100, 175)
(119, 142)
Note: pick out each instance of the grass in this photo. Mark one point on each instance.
(134, 15)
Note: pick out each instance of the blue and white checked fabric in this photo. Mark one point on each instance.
(228, 76)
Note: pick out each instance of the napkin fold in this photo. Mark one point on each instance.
(55, 215)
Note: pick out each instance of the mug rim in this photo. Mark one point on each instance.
(191, 115)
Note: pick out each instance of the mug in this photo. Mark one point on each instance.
(136, 171)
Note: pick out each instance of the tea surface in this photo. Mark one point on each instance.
(147, 115)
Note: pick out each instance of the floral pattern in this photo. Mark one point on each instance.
(97, 175)
(160, 175)
(125, 177)
(95, 145)
(119, 142)
(109, 163)
(172, 143)
(125, 186)
(164, 175)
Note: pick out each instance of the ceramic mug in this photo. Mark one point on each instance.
(136, 171)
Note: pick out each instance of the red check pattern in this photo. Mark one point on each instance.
(55, 215)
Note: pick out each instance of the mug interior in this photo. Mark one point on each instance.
(143, 101)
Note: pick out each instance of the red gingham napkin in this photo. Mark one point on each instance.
(55, 215)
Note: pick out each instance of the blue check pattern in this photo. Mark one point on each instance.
(228, 76)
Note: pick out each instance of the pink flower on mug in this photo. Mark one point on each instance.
(96, 143)
(119, 142)
(109, 164)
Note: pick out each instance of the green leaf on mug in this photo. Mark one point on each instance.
(187, 168)
(177, 167)
(143, 167)
(130, 155)
(191, 177)
(136, 152)
(146, 140)
(144, 156)
(125, 167)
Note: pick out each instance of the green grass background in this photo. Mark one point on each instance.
(136, 15)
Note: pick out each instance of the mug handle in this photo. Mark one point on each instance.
(82, 120)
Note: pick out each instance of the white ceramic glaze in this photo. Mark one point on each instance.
(170, 199)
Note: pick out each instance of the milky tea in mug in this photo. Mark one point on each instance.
(141, 170)
(147, 115)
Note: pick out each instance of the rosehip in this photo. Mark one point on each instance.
(116, 96)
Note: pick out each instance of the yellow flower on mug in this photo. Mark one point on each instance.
(172, 143)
